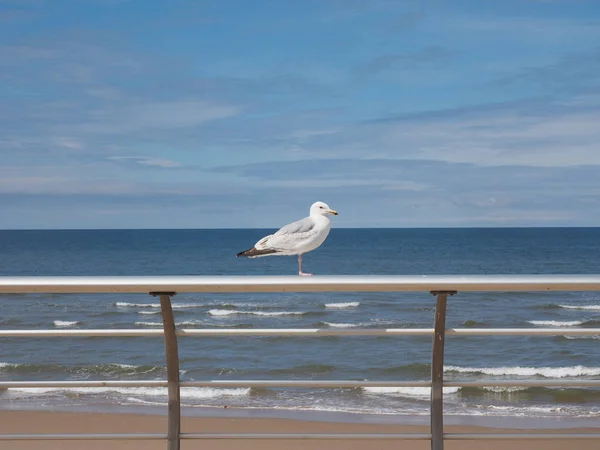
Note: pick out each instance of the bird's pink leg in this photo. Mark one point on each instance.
(302, 274)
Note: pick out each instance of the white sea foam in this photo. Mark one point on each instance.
(34, 391)
(157, 305)
(275, 313)
(236, 305)
(230, 312)
(148, 324)
(137, 305)
(339, 325)
(504, 388)
(146, 313)
(408, 391)
(189, 322)
(581, 337)
(179, 324)
(548, 372)
(586, 307)
(524, 411)
(555, 323)
(342, 305)
(143, 402)
(222, 312)
(65, 323)
(186, 392)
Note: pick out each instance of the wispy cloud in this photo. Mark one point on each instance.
(154, 115)
(538, 132)
(147, 161)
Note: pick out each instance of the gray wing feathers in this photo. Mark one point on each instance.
(285, 238)
(301, 226)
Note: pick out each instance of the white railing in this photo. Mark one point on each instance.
(166, 286)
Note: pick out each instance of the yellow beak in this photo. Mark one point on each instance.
(331, 211)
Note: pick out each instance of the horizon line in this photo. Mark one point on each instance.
(275, 228)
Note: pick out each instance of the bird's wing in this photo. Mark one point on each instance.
(288, 235)
(301, 226)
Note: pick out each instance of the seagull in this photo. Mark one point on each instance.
(296, 238)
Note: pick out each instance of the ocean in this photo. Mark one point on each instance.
(346, 251)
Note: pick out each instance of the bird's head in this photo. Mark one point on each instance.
(321, 209)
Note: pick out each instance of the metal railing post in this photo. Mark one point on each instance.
(172, 355)
(437, 371)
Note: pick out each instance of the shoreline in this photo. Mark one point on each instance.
(18, 422)
(524, 423)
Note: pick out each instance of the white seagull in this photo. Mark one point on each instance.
(296, 238)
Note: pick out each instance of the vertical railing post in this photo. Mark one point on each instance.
(437, 371)
(172, 355)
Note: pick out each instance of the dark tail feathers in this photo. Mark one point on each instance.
(255, 252)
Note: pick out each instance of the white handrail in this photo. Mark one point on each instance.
(299, 383)
(337, 283)
(265, 332)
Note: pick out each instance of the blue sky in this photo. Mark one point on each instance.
(201, 114)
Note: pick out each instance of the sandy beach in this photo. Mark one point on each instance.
(61, 422)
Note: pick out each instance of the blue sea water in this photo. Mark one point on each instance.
(346, 251)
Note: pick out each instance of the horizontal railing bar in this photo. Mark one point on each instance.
(299, 383)
(214, 383)
(391, 331)
(81, 384)
(324, 436)
(141, 436)
(211, 332)
(82, 437)
(523, 383)
(523, 331)
(304, 383)
(306, 332)
(510, 436)
(296, 436)
(81, 333)
(337, 283)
